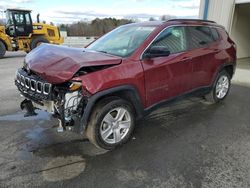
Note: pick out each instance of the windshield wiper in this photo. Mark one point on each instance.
(105, 52)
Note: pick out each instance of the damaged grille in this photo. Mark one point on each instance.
(33, 86)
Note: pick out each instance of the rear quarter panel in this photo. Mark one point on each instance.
(227, 54)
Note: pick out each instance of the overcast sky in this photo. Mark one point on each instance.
(67, 11)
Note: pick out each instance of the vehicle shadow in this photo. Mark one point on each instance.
(170, 138)
(153, 131)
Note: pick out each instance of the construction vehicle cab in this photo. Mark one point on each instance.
(19, 23)
(20, 33)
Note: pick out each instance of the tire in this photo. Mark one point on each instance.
(2, 49)
(37, 41)
(217, 94)
(105, 129)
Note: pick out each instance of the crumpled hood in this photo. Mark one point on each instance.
(58, 64)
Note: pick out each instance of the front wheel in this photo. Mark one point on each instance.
(111, 123)
(221, 88)
(2, 49)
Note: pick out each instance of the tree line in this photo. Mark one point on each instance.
(99, 27)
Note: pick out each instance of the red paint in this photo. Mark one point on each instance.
(58, 64)
(155, 79)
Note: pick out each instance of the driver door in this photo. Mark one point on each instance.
(167, 77)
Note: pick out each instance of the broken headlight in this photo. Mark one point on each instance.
(74, 86)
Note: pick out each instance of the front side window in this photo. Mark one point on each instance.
(200, 36)
(174, 39)
(122, 41)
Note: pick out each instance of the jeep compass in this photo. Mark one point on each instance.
(101, 90)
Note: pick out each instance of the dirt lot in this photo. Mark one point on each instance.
(187, 144)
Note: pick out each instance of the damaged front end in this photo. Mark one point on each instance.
(66, 101)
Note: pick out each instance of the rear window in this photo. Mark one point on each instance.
(200, 36)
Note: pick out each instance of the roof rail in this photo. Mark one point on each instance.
(183, 20)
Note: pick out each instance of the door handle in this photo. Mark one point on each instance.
(216, 51)
(186, 59)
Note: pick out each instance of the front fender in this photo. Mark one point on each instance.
(134, 98)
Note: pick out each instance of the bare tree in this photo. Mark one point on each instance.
(97, 27)
(167, 17)
(151, 19)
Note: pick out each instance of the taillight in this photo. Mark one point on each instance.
(234, 45)
(232, 42)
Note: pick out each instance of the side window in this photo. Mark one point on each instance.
(27, 18)
(200, 36)
(173, 38)
(215, 34)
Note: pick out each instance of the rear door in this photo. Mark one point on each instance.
(167, 77)
(204, 49)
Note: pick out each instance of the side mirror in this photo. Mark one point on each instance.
(157, 51)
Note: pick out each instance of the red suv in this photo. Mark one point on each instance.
(103, 89)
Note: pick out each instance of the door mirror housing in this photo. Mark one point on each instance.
(157, 51)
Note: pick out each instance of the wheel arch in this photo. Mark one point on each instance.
(34, 37)
(228, 66)
(126, 92)
(230, 69)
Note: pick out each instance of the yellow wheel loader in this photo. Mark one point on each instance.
(21, 33)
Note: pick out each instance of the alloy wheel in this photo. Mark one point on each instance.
(115, 125)
(222, 87)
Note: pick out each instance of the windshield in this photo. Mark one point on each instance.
(122, 41)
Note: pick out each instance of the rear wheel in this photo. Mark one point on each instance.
(221, 88)
(37, 41)
(2, 49)
(111, 124)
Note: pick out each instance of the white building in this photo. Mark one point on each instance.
(234, 15)
(63, 33)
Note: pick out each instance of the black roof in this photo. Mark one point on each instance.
(191, 20)
(18, 10)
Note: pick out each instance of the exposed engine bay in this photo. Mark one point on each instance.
(64, 101)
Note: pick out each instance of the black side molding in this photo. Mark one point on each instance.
(134, 98)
